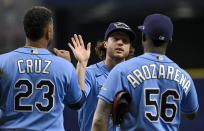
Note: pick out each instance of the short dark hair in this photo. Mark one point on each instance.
(35, 20)
(158, 43)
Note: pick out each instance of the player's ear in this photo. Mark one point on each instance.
(50, 31)
(47, 33)
(105, 44)
(143, 37)
(169, 42)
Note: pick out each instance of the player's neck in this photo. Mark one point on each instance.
(36, 44)
(111, 62)
(155, 51)
(150, 48)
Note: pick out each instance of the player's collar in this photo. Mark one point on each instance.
(154, 54)
(101, 65)
(33, 51)
(156, 57)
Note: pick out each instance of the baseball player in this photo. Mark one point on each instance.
(115, 48)
(159, 89)
(35, 85)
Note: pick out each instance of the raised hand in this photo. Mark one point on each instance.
(82, 55)
(80, 52)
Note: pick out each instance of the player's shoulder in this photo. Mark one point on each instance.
(135, 61)
(7, 56)
(182, 71)
(61, 62)
(185, 72)
(94, 68)
(97, 69)
(131, 63)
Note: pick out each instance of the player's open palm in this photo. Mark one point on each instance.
(80, 52)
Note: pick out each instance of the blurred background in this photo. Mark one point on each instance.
(90, 18)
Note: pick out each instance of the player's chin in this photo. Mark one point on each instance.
(120, 56)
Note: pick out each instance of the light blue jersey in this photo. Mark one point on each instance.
(160, 92)
(95, 77)
(34, 86)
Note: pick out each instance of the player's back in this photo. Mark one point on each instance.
(33, 85)
(159, 89)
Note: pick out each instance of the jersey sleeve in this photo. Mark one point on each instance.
(112, 86)
(189, 103)
(88, 83)
(74, 97)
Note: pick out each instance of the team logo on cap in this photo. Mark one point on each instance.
(143, 27)
(121, 25)
(161, 37)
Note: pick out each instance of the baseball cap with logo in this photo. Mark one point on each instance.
(157, 27)
(115, 26)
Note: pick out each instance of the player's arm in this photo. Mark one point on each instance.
(189, 103)
(74, 96)
(82, 55)
(189, 116)
(79, 104)
(101, 116)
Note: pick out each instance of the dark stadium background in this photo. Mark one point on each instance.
(90, 18)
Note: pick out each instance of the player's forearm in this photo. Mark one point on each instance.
(100, 122)
(101, 116)
(81, 69)
(99, 125)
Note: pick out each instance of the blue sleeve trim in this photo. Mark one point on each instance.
(79, 104)
(190, 112)
(105, 99)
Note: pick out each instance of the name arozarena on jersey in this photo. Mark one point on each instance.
(166, 72)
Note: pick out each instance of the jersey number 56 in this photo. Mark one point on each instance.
(161, 112)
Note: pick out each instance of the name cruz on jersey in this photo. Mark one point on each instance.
(147, 72)
(33, 66)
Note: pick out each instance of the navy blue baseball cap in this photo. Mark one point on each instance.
(157, 27)
(115, 26)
